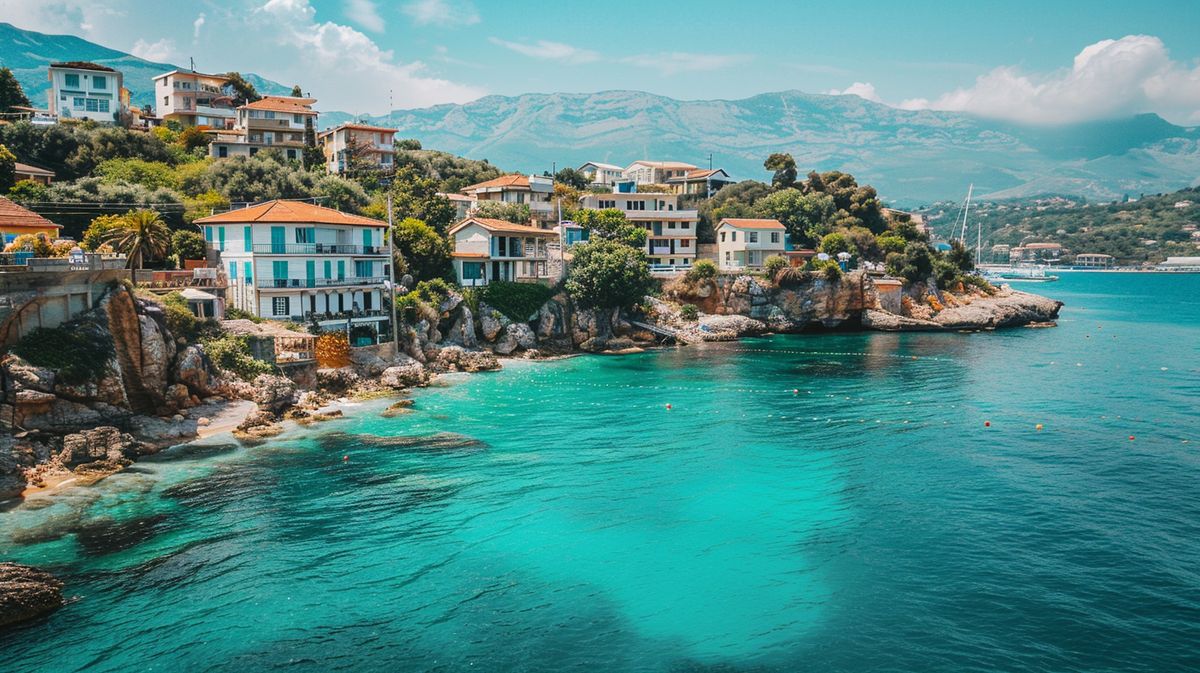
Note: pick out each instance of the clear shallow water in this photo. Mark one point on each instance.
(868, 521)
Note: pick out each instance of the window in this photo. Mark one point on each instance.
(99, 82)
(722, 237)
(166, 101)
(604, 203)
(222, 151)
(753, 237)
(328, 269)
(246, 273)
(670, 225)
(291, 154)
(281, 306)
(685, 225)
(362, 269)
(93, 105)
(685, 243)
(71, 80)
(341, 269)
(247, 240)
(298, 118)
(253, 151)
(233, 271)
(306, 234)
(77, 102)
(208, 231)
(635, 205)
(726, 256)
(774, 236)
(268, 114)
(103, 105)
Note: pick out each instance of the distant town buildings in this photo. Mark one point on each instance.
(532, 190)
(82, 90)
(26, 172)
(1094, 260)
(358, 146)
(16, 220)
(1048, 253)
(600, 174)
(643, 172)
(194, 99)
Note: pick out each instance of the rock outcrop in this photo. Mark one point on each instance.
(27, 593)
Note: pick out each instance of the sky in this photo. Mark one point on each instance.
(1047, 62)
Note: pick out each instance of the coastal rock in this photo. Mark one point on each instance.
(884, 321)
(405, 374)
(337, 380)
(1006, 309)
(15, 457)
(102, 443)
(274, 393)
(194, 370)
(550, 321)
(177, 396)
(456, 358)
(367, 361)
(398, 408)
(23, 375)
(491, 322)
(462, 329)
(27, 593)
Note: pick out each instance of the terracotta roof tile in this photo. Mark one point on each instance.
(282, 104)
(504, 227)
(743, 223)
(13, 215)
(282, 212)
(515, 180)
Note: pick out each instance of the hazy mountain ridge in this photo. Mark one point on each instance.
(911, 156)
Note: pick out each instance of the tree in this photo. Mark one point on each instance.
(99, 231)
(28, 191)
(142, 236)
(188, 245)
(297, 92)
(959, 256)
(426, 253)
(192, 138)
(8, 169)
(608, 274)
(417, 197)
(11, 93)
(611, 224)
(408, 144)
(785, 170)
(572, 178)
(517, 213)
(243, 91)
(312, 156)
(914, 264)
(806, 216)
(837, 242)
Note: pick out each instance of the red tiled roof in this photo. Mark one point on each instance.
(515, 180)
(503, 227)
(282, 212)
(283, 104)
(742, 223)
(12, 215)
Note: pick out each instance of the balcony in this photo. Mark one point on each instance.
(662, 214)
(311, 283)
(315, 249)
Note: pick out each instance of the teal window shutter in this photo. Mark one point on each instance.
(310, 273)
(366, 238)
(277, 240)
(208, 234)
(248, 238)
(246, 272)
(328, 269)
(341, 269)
(233, 271)
(220, 238)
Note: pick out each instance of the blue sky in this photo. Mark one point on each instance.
(1040, 62)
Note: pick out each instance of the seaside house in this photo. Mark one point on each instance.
(1047, 253)
(82, 90)
(655, 172)
(533, 190)
(701, 182)
(671, 239)
(600, 174)
(291, 260)
(271, 122)
(746, 243)
(1094, 260)
(26, 172)
(194, 99)
(357, 146)
(16, 220)
(486, 250)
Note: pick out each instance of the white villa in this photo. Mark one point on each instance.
(194, 99)
(273, 121)
(702, 182)
(82, 90)
(372, 145)
(655, 172)
(746, 243)
(486, 250)
(602, 175)
(671, 240)
(291, 260)
(534, 190)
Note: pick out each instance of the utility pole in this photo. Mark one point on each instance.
(392, 273)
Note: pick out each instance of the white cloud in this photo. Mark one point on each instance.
(550, 51)
(1108, 79)
(345, 68)
(671, 63)
(448, 13)
(365, 14)
(197, 25)
(864, 90)
(159, 51)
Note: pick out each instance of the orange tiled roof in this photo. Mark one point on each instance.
(283, 104)
(515, 180)
(14, 216)
(288, 212)
(744, 223)
(503, 227)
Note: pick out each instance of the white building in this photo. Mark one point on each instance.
(82, 90)
(290, 260)
(602, 175)
(271, 122)
(701, 182)
(671, 232)
(194, 99)
(486, 250)
(533, 190)
(655, 172)
(372, 146)
(747, 243)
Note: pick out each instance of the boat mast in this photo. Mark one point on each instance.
(962, 233)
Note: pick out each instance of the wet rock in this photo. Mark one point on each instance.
(397, 408)
(406, 373)
(194, 370)
(338, 380)
(23, 375)
(95, 471)
(27, 593)
(102, 443)
(456, 358)
(491, 322)
(274, 393)
(177, 396)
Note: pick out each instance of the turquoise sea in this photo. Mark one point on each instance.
(806, 503)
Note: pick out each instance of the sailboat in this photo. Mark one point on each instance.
(997, 272)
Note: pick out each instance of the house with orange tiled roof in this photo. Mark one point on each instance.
(487, 250)
(536, 191)
(744, 243)
(292, 260)
(363, 145)
(16, 220)
(270, 122)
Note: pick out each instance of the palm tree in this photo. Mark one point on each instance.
(142, 236)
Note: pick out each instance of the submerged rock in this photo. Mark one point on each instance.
(442, 442)
(107, 535)
(27, 593)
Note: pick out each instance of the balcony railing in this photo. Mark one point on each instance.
(315, 249)
(308, 283)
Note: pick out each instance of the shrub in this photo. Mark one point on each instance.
(689, 311)
(702, 269)
(231, 352)
(792, 276)
(827, 269)
(518, 301)
(979, 282)
(434, 291)
(188, 245)
(607, 274)
(232, 313)
(889, 243)
(180, 319)
(78, 350)
(773, 265)
(408, 306)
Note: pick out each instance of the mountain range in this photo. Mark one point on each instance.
(910, 156)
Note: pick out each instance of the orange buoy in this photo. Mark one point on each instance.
(987, 424)
(345, 458)
(668, 407)
(1038, 426)
(1131, 438)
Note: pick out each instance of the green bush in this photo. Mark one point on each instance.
(773, 265)
(702, 269)
(433, 291)
(232, 353)
(188, 245)
(518, 301)
(78, 350)
(238, 314)
(689, 311)
(827, 269)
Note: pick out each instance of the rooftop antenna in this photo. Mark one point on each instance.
(192, 63)
(710, 161)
